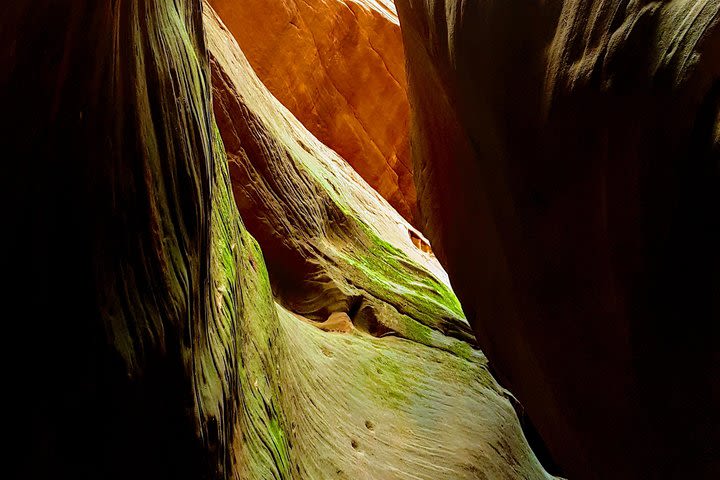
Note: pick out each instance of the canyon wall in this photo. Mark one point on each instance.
(339, 67)
(115, 202)
(150, 339)
(378, 377)
(566, 160)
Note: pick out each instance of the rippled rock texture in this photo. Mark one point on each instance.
(339, 67)
(566, 157)
(151, 342)
(378, 378)
(123, 223)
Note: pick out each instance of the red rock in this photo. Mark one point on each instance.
(399, 406)
(338, 66)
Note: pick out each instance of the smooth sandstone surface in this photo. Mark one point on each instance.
(370, 371)
(339, 67)
(575, 207)
(152, 344)
(567, 155)
(331, 241)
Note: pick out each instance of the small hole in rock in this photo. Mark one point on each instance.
(369, 425)
(367, 320)
(419, 242)
(354, 443)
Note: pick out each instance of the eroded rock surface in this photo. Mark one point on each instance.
(150, 342)
(338, 66)
(376, 377)
(567, 155)
(131, 364)
(330, 240)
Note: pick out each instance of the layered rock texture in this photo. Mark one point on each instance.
(200, 287)
(153, 342)
(377, 377)
(567, 162)
(332, 242)
(339, 67)
(122, 222)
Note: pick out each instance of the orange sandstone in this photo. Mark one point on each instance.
(338, 66)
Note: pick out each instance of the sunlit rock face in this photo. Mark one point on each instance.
(568, 160)
(151, 344)
(371, 369)
(339, 67)
(329, 237)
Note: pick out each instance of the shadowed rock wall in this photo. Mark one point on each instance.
(147, 342)
(566, 159)
(127, 370)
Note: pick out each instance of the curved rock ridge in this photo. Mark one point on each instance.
(332, 243)
(364, 407)
(133, 363)
(363, 381)
(150, 345)
(339, 67)
(575, 142)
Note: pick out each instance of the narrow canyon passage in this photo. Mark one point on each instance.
(236, 229)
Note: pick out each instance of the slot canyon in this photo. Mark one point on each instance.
(361, 239)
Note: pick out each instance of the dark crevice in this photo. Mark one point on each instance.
(533, 437)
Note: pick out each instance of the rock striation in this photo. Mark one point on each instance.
(331, 241)
(130, 367)
(377, 377)
(580, 142)
(152, 342)
(339, 67)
